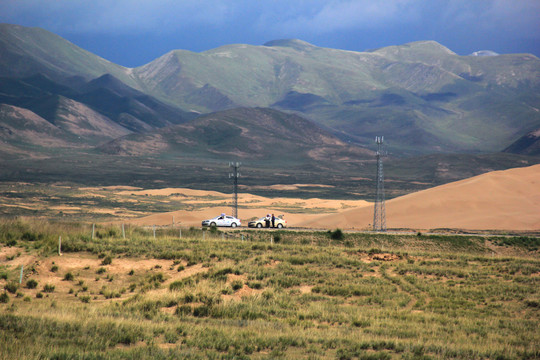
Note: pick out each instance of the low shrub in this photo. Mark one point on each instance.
(12, 287)
(237, 285)
(4, 298)
(69, 276)
(183, 310)
(31, 284)
(337, 235)
(107, 260)
(201, 311)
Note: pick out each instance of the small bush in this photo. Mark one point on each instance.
(107, 260)
(183, 310)
(337, 235)
(12, 287)
(226, 291)
(54, 268)
(179, 284)
(254, 285)
(69, 276)
(31, 284)
(28, 236)
(237, 285)
(39, 295)
(171, 337)
(48, 288)
(201, 311)
(361, 323)
(159, 277)
(4, 297)
(101, 270)
(131, 272)
(85, 299)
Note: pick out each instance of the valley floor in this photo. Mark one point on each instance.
(504, 201)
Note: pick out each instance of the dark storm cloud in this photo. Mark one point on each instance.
(105, 26)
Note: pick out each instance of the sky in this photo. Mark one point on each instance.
(134, 32)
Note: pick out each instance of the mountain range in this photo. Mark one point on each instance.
(286, 99)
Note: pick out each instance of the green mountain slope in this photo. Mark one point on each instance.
(256, 134)
(421, 96)
(108, 97)
(28, 51)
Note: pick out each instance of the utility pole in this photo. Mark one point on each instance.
(379, 213)
(234, 175)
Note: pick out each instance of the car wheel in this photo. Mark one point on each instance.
(279, 226)
(212, 224)
(233, 225)
(259, 225)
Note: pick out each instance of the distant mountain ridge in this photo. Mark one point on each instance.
(421, 95)
(529, 144)
(257, 134)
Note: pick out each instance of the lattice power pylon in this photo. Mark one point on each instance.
(234, 175)
(379, 213)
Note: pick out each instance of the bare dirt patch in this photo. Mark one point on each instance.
(245, 291)
(384, 257)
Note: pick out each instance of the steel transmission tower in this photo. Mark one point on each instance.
(234, 175)
(379, 213)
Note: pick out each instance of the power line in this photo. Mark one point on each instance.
(234, 175)
(379, 213)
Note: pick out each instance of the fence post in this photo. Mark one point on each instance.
(93, 230)
(272, 240)
(20, 279)
(180, 230)
(154, 231)
(203, 234)
(60, 245)
(123, 231)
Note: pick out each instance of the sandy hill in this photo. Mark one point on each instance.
(500, 200)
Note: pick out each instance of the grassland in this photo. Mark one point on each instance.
(262, 295)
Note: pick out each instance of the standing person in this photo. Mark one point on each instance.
(273, 221)
(267, 220)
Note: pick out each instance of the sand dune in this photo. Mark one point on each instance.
(499, 200)
(251, 206)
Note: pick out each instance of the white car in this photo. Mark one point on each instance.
(222, 220)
